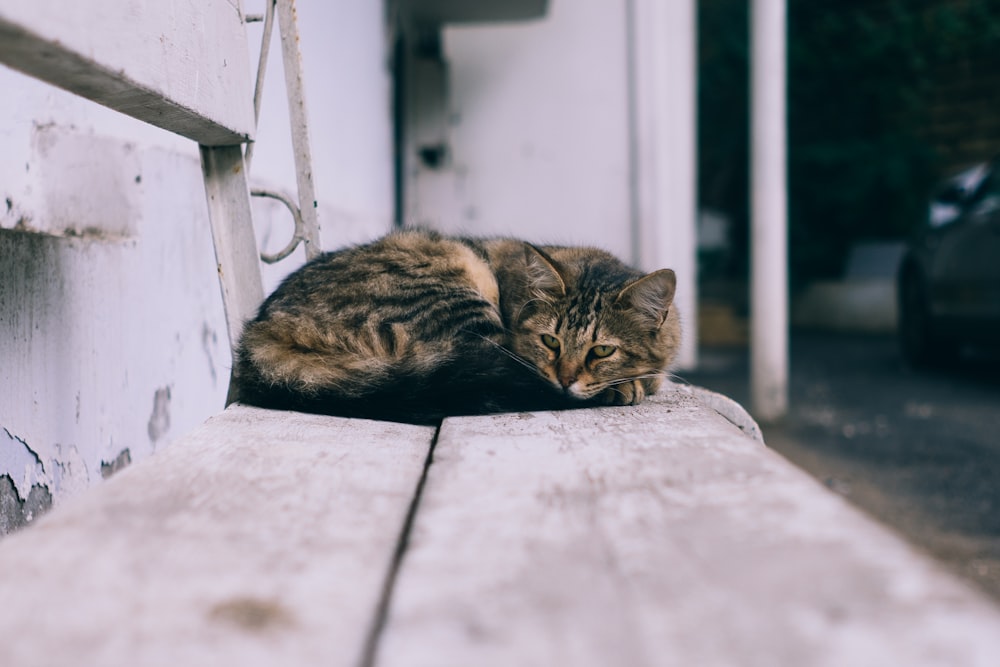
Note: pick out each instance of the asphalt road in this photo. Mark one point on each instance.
(917, 450)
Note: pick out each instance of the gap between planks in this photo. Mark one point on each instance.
(369, 653)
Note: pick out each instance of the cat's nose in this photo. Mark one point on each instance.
(566, 379)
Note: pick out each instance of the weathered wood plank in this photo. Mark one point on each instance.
(658, 535)
(180, 66)
(263, 538)
(236, 256)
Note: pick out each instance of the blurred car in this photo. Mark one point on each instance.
(948, 284)
(946, 203)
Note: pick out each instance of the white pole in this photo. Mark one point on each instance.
(663, 72)
(769, 258)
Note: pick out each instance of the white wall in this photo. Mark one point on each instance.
(539, 130)
(112, 335)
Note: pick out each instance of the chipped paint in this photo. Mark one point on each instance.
(21, 463)
(123, 460)
(83, 342)
(25, 489)
(209, 342)
(15, 511)
(159, 420)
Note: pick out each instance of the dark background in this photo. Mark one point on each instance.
(885, 97)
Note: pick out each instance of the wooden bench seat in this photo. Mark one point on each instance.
(262, 538)
(662, 534)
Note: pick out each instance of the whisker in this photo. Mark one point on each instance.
(618, 391)
(611, 383)
(507, 352)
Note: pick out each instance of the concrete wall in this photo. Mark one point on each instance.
(112, 336)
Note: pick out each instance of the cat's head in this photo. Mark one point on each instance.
(588, 323)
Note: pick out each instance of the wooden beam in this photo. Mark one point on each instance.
(236, 255)
(658, 535)
(180, 66)
(262, 538)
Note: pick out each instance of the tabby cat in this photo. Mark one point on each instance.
(417, 325)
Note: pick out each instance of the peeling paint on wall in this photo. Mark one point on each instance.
(77, 324)
(209, 340)
(22, 465)
(123, 460)
(159, 421)
(70, 473)
(16, 512)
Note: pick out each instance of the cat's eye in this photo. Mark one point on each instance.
(602, 351)
(550, 342)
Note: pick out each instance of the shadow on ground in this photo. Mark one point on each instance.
(918, 450)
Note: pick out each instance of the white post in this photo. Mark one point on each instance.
(663, 75)
(769, 259)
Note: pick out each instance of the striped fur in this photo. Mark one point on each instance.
(417, 326)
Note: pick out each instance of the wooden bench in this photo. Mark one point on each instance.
(662, 534)
(665, 534)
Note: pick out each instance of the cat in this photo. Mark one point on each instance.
(417, 326)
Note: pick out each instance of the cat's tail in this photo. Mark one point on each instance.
(299, 356)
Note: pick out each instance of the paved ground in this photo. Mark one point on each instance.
(919, 451)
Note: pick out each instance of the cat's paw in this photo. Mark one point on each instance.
(626, 393)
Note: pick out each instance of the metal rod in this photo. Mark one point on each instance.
(297, 236)
(287, 22)
(258, 91)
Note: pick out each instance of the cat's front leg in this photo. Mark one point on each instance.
(632, 392)
(652, 384)
(626, 393)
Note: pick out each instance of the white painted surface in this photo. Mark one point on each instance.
(111, 342)
(538, 130)
(59, 174)
(664, 64)
(769, 214)
(181, 67)
(236, 256)
(111, 304)
(262, 538)
(658, 535)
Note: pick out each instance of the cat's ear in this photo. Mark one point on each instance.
(544, 277)
(650, 296)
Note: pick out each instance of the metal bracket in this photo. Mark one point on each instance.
(305, 217)
(298, 236)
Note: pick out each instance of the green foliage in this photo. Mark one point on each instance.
(861, 76)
